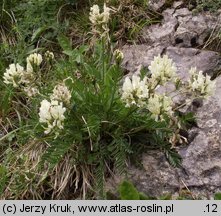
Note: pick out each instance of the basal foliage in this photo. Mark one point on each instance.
(81, 122)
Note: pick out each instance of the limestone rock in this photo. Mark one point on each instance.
(181, 28)
(136, 55)
(201, 158)
(185, 58)
(178, 36)
(161, 33)
(193, 30)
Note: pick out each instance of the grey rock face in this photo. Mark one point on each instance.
(193, 30)
(184, 58)
(202, 157)
(136, 55)
(178, 36)
(181, 28)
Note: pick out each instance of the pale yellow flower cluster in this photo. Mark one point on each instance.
(162, 69)
(24, 79)
(52, 114)
(140, 93)
(203, 85)
(159, 105)
(34, 59)
(100, 20)
(135, 91)
(144, 94)
(20, 78)
(13, 75)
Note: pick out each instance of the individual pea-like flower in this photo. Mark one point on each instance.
(100, 20)
(49, 55)
(135, 91)
(159, 105)
(162, 69)
(13, 75)
(34, 59)
(200, 83)
(118, 56)
(52, 114)
(61, 93)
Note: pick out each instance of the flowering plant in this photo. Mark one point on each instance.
(24, 79)
(145, 95)
(100, 20)
(82, 116)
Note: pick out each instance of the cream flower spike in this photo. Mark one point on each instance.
(34, 59)
(135, 91)
(13, 75)
(100, 20)
(159, 105)
(52, 114)
(162, 69)
(200, 83)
